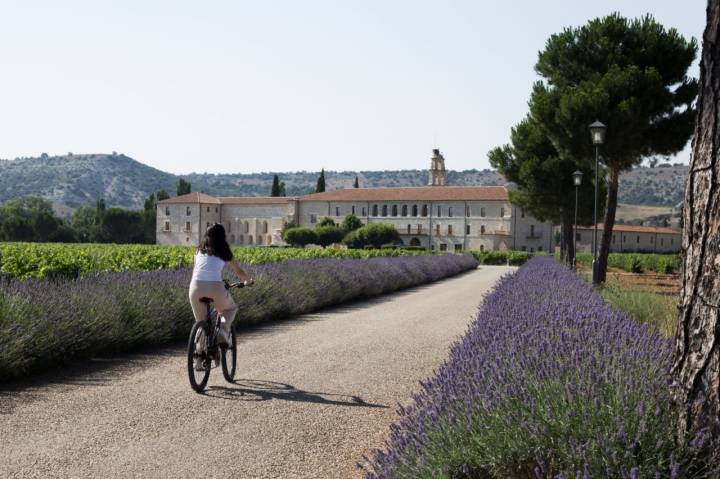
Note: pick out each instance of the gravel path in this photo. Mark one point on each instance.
(312, 395)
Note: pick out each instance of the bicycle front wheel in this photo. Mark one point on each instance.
(228, 357)
(198, 358)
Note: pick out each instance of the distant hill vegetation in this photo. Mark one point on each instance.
(73, 180)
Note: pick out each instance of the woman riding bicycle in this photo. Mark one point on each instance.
(211, 257)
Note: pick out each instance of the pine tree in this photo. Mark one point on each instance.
(320, 188)
(183, 187)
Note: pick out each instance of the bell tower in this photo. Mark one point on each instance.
(437, 175)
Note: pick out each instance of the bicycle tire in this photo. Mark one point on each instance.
(198, 386)
(228, 358)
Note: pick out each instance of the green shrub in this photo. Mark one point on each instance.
(350, 223)
(327, 235)
(374, 234)
(514, 258)
(325, 221)
(300, 236)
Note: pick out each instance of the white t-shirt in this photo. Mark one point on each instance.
(207, 268)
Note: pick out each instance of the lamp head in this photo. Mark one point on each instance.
(577, 178)
(597, 132)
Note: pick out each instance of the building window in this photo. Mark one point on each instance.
(216, 209)
(352, 209)
(265, 227)
(652, 239)
(208, 209)
(443, 247)
(532, 250)
(449, 229)
(246, 227)
(437, 230)
(502, 212)
(187, 211)
(313, 219)
(337, 211)
(419, 229)
(638, 238)
(458, 248)
(671, 241)
(242, 239)
(624, 239)
(232, 239)
(404, 210)
(450, 211)
(394, 210)
(375, 210)
(187, 226)
(467, 210)
(524, 248)
(384, 210)
(425, 210)
(467, 229)
(661, 241)
(167, 226)
(439, 211)
(408, 229)
(414, 210)
(260, 240)
(482, 247)
(532, 231)
(482, 212)
(229, 229)
(364, 211)
(167, 211)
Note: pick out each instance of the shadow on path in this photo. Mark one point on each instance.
(261, 390)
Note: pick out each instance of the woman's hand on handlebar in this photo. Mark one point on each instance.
(249, 282)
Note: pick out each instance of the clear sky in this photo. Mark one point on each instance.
(239, 86)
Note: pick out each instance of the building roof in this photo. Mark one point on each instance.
(254, 200)
(622, 228)
(417, 193)
(194, 197)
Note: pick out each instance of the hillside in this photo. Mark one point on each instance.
(73, 180)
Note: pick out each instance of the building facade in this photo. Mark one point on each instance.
(437, 217)
(631, 238)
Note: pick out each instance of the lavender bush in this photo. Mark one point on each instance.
(43, 322)
(548, 382)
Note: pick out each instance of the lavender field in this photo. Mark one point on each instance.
(548, 382)
(46, 322)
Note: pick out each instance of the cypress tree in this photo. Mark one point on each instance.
(275, 190)
(320, 182)
(357, 183)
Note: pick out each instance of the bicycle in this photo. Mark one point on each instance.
(211, 351)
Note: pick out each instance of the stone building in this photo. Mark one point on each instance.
(631, 238)
(437, 216)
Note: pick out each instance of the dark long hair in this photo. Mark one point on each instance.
(214, 243)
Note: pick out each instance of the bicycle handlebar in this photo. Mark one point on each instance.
(238, 284)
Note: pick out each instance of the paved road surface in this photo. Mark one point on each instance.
(312, 395)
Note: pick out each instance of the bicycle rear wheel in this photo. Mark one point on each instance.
(228, 358)
(197, 353)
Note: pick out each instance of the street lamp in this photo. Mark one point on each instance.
(597, 133)
(577, 181)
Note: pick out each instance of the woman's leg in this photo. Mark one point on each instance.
(227, 308)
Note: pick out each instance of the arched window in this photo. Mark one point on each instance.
(394, 210)
(404, 210)
(246, 228)
(449, 229)
(425, 210)
(241, 239)
(415, 242)
(167, 211)
(409, 229)
(250, 239)
(375, 210)
(414, 210)
(260, 239)
(384, 210)
(232, 239)
(482, 247)
(265, 227)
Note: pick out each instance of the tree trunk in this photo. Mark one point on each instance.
(567, 234)
(611, 206)
(696, 371)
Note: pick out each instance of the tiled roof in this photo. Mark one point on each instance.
(254, 200)
(194, 197)
(635, 229)
(419, 193)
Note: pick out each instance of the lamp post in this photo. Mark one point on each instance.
(577, 181)
(597, 133)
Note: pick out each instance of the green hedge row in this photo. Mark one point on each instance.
(638, 262)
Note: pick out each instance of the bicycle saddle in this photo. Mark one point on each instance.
(206, 300)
